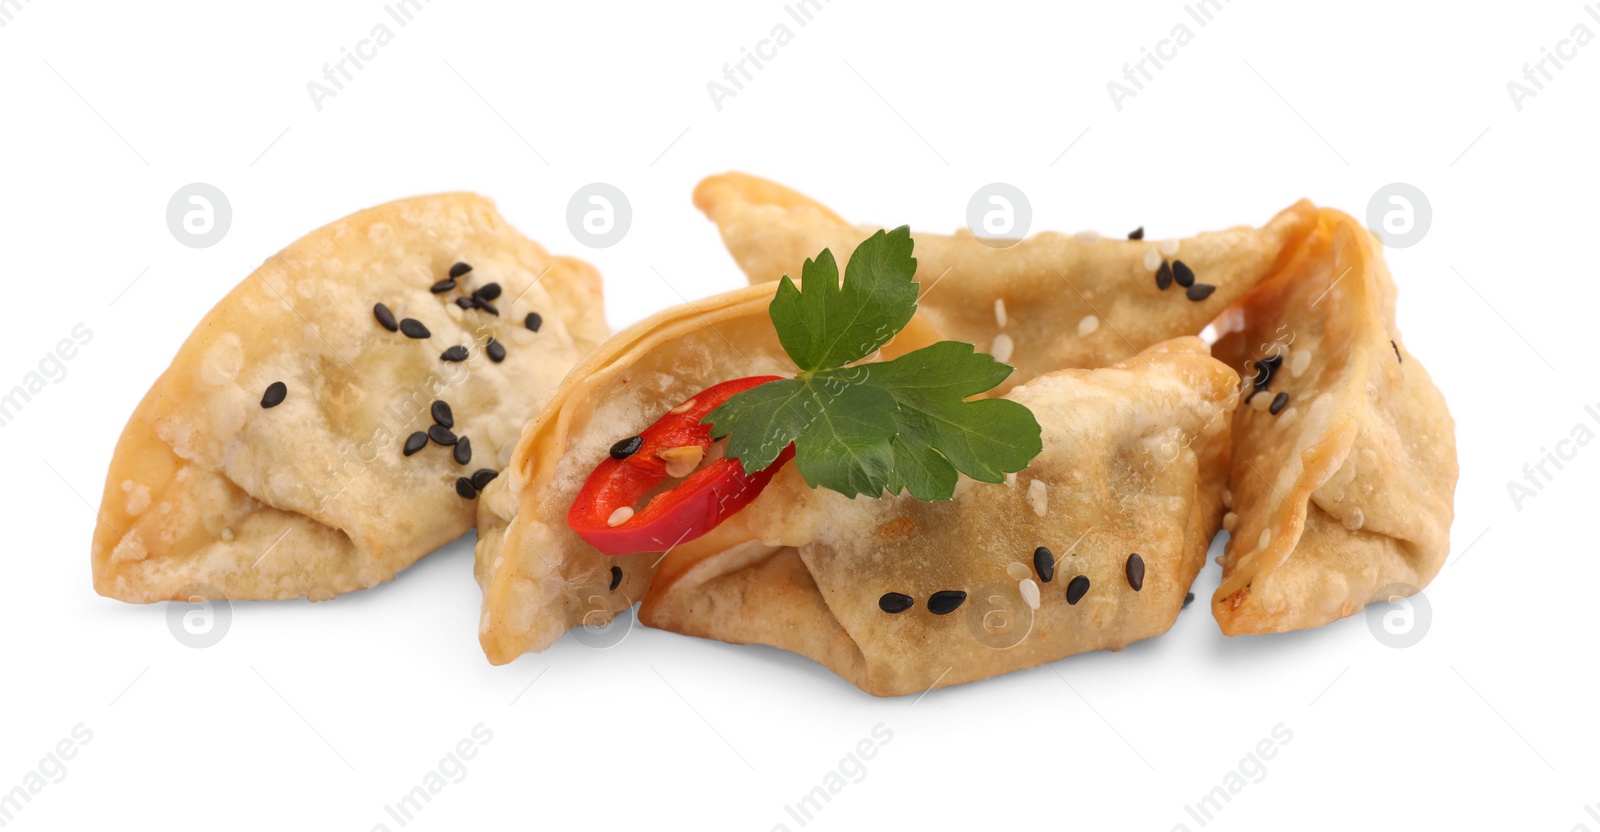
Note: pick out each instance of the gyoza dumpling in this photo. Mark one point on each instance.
(277, 456)
(1344, 461)
(1124, 498)
(1049, 301)
(539, 578)
(898, 595)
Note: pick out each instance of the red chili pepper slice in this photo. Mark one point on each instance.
(686, 511)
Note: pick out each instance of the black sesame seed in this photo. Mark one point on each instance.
(495, 350)
(1182, 274)
(442, 414)
(415, 442)
(385, 317)
(616, 577)
(1136, 234)
(1135, 570)
(533, 321)
(442, 435)
(1164, 276)
(463, 451)
(894, 602)
(1265, 369)
(627, 447)
(1044, 562)
(465, 302)
(442, 286)
(482, 477)
(1279, 402)
(486, 306)
(465, 489)
(488, 291)
(1397, 357)
(1188, 599)
(275, 394)
(455, 353)
(1077, 589)
(413, 328)
(459, 269)
(945, 601)
(1200, 291)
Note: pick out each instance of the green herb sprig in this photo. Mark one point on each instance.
(901, 425)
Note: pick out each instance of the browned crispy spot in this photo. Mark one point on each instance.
(897, 528)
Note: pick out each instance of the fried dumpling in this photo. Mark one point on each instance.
(1104, 531)
(1093, 546)
(1344, 461)
(1047, 302)
(279, 455)
(539, 578)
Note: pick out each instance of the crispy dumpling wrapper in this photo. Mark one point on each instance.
(1345, 495)
(313, 496)
(540, 579)
(1068, 300)
(1134, 463)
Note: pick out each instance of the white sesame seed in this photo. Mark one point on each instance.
(1011, 480)
(1017, 571)
(1088, 325)
(1261, 400)
(1229, 520)
(1001, 348)
(1030, 592)
(1287, 416)
(1169, 246)
(1000, 312)
(227, 533)
(1264, 539)
(1152, 258)
(1227, 497)
(619, 516)
(1298, 364)
(1037, 497)
(681, 462)
(1354, 520)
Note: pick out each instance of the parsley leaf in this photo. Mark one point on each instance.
(830, 326)
(846, 426)
(946, 370)
(940, 433)
(901, 425)
(848, 448)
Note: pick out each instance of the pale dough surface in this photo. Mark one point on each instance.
(313, 497)
(1346, 495)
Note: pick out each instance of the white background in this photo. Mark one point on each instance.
(319, 715)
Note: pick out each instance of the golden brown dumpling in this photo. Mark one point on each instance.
(1126, 496)
(539, 578)
(269, 460)
(1344, 461)
(898, 595)
(1049, 301)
